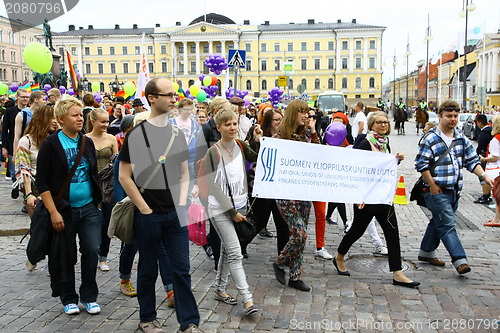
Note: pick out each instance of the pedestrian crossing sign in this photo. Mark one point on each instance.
(237, 58)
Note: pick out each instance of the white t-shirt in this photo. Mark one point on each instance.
(360, 117)
(493, 168)
(185, 127)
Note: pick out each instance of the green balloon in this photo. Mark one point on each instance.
(4, 89)
(129, 88)
(38, 57)
(96, 86)
(207, 81)
(201, 96)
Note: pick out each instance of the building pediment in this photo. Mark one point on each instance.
(202, 28)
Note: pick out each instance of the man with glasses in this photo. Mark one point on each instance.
(8, 124)
(445, 183)
(53, 96)
(154, 158)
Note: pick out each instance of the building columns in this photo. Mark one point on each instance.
(185, 59)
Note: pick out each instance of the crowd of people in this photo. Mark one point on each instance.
(57, 150)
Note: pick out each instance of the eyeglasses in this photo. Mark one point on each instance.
(170, 95)
(303, 111)
(380, 122)
(451, 109)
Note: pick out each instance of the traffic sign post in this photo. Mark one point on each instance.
(282, 81)
(237, 61)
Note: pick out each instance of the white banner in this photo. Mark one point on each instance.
(303, 171)
(143, 77)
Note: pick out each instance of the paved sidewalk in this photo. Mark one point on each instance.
(364, 302)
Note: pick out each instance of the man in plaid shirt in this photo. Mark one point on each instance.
(445, 184)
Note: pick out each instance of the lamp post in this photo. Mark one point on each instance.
(466, 8)
(115, 85)
(407, 54)
(394, 64)
(428, 38)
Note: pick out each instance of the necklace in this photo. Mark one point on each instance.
(230, 153)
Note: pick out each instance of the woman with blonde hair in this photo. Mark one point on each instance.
(492, 160)
(295, 212)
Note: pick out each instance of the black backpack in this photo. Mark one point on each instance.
(106, 182)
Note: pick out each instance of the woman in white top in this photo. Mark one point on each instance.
(492, 160)
(226, 176)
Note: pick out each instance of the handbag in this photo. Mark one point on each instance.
(246, 229)
(121, 223)
(421, 187)
(41, 224)
(197, 224)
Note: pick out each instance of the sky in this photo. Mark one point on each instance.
(402, 18)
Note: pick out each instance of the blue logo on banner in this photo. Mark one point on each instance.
(268, 159)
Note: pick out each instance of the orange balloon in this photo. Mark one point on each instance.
(214, 80)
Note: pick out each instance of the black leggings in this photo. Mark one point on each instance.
(386, 217)
(340, 208)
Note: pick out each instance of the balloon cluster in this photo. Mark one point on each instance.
(239, 93)
(210, 90)
(216, 63)
(275, 96)
(209, 85)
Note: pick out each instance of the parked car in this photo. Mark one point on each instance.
(469, 127)
(462, 117)
(433, 118)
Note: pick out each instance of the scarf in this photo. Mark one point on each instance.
(380, 142)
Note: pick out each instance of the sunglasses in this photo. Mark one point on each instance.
(381, 122)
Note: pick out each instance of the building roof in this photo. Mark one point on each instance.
(93, 32)
(213, 18)
(316, 26)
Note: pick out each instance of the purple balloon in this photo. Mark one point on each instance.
(190, 96)
(335, 134)
(201, 77)
(98, 97)
(71, 92)
(47, 87)
(14, 87)
(187, 92)
(62, 89)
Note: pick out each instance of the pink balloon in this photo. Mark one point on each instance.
(335, 134)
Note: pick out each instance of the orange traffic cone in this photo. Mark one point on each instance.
(400, 197)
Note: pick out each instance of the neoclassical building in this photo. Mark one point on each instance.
(344, 56)
(488, 75)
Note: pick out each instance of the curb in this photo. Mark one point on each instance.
(14, 232)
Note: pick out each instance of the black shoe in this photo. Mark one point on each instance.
(266, 234)
(299, 285)
(279, 273)
(244, 254)
(15, 193)
(251, 310)
(330, 221)
(483, 199)
(411, 284)
(24, 209)
(208, 251)
(345, 273)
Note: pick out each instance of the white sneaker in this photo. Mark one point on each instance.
(493, 206)
(323, 253)
(382, 250)
(347, 226)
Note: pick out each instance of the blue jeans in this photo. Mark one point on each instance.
(441, 227)
(86, 221)
(12, 168)
(150, 231)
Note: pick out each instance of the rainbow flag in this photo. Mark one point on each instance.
(35, 87)
(181, 93)
(72, 73)
(26, 85)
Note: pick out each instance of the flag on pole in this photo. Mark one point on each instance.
(72, 73)
(144, 77)
(26, 85)
(226, 83)
(35, 87)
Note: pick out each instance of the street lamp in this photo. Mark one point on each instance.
(115, 85)
(428, 38)
(466, 8)
(407, 54)
(394, 64)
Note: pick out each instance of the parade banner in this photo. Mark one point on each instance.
(303, 171)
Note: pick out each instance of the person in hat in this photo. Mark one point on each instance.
(138, 106)
(244, 123)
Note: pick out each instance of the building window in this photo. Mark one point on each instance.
(61, 51)
(248, 47)
(264, 85)
(344, 63)
(277, 65)
(125, 67)
(86, 51)
(24, 40)
(13, 56)
(112, 67)
(371, 62)
(100, 68)
(73, 51)
(331, 63)
(276, 47)
(372, 44)
(88, 69)
(344, 83)
(316, 46)
(263, 47)
(137, 50)
(304, 83)
(112, 50)
(181, 67)
(358, 45)
(357, 96)
(290, 83)
(1, 39)
(12, 37)
(230, 46)
(192, 48)
(137, 65)
(290, 46)
(263, 65)
(330, 46)
(371, 82)
(316, 64)
(303, 46)
(248, 65)
(124, 50)
(358, 63)
(193, 67)
(151, 68)
(181, 48)
(150, 49)
(345, 45)
(99, 51)
(163, 48)
(358, 83)
(249, 85)
(330, 83)
(14, 75)
(205, 48)
(303, 64)
(371, 96)
(218, 48)
(164, 67)
(317, 84)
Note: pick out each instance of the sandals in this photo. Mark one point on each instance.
(103, 267)
(491, 224)
(251, 310)
(228, 299)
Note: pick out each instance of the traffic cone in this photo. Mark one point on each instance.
(400, 197)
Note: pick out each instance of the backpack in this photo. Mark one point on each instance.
(106, 182)
(202, 178)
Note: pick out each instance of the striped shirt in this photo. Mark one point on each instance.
(448, 174)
